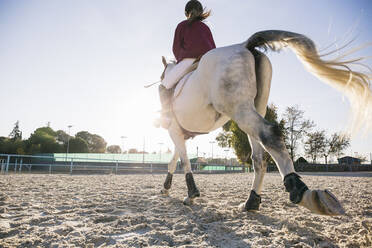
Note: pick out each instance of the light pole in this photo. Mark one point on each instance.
(143, 150)
(212, 142)
(122, 142)
(68, 139)
(226, 151)
(160, 144)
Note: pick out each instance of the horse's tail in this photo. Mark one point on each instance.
(355, 85)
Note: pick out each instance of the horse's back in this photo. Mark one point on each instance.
(234, 78)
(223, 73)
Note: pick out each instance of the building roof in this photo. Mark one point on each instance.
(349, 158)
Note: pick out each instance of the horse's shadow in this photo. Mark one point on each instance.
(217, 225)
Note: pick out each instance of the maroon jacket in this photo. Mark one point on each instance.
(192, 41)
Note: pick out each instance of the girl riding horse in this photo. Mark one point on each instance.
(192, 39)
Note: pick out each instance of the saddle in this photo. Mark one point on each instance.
(179, 85)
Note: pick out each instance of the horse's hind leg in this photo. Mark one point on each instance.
(317, 201)
(263, 72)
(259, 165)
(171, 169)
(177, 137)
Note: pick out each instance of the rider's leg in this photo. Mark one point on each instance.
(166, 89)
(165, 100)
(174, 75)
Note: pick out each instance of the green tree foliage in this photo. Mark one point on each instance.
(114, 149)
(14, 143)
(46, 140)
(96, 144)
(3, 145)
(224, 139)
(62, 137)
(16, 132)
(10, 146)
(43, 140)
(78, 145)
(233, 136)
(315, 145)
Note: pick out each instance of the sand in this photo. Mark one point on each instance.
(128, 211)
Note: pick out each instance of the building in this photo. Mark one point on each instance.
(349, 160)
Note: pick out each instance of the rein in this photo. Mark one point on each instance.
(161, 78)
(149, 85)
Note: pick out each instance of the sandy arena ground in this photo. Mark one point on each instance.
(128, 211)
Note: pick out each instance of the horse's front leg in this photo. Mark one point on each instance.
(259, 165)
(177, 136)
(171, 169)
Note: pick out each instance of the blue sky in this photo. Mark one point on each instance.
(84, 63)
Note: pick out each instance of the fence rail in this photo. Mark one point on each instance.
(11, 163)
(73, 165)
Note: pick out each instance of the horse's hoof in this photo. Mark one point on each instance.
(188, 201)
(164, 192)
(242, 208)
(194, 194)
(253, 202)
(322, 202)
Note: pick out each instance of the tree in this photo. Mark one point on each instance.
(315, 145)
(114, 149)
(43, 140)
(96, 144)
(3, 145)
(336, 144)
(233, 136)
(224, 139)
(78, 145)
(12, 146)
(296, 127)
(62, 137)
(16, 133)
(133, 150)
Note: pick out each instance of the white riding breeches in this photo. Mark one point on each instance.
(178, 71)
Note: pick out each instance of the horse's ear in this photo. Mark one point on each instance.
(164, 60)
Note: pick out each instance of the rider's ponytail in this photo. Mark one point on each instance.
(195, 11)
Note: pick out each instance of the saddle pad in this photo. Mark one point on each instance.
(180, 84)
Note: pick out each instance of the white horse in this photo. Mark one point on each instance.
(233, 82)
